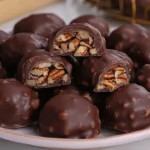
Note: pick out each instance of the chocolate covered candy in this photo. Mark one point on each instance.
(40, 24)
(69, 115)
(17, 46)
(123, 37)
(79, 39)
(72, 88)
(128, 109)
(19, 104)
(38, 69)
(105, 73)
(143, 77)
(3, 36)
(140, 53)
(95, 21)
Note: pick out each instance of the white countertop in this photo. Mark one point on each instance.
(60, 10)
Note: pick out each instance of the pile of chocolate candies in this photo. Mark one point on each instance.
(69, 80)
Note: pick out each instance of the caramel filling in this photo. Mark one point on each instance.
(80, 43)
(113, 79)
(46, 73)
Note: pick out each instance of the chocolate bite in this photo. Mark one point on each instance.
(17, 46)
(128, 109)
(95, 21)
(3, 36)
(69, 115)
(105, 73)
(19, 104)
(72, 88)
(38, 69)
(40, 24)
(123, 37)
(79, 40)
(143, 77)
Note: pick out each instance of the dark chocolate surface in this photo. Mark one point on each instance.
(40, 24)
(143, 77)
(98, 40)
(95, 21)
(69, 115)
(12, 50)
(18, 104)
(128, 109)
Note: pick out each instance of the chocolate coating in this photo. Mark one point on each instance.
(3, 36)
(143, 77)
(98, 42)
(40, 24)
(125, 36)
(57, 119)
(29, 68)
(19, 104)
(93, 69)
(17, 46)
(128, 109)
(96, 21)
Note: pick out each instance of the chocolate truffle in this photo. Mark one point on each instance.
(96, 21)
(140, 53)
(79, 39)
(3, 36)
(105, 73)
(17, 46)
(69, 115)
(123, 37)
(143, 77)
(128, 109)
(90, 95)
(38, 69)
(18, 104)
(40, 24)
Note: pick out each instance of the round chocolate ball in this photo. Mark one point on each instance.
(18, 104)
(69, 115)
(96, 21)
(12, 50)
(40, 24)
(128, 109)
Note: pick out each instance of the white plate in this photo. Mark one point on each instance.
(106, 139)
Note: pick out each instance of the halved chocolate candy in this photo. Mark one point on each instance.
(69, 115)
(39, 70)
(127, 109)
(79, 39)
(105, 73)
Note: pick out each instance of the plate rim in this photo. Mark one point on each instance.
(45, 142)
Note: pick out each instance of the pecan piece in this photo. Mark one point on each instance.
(64, 37)
(81, 51)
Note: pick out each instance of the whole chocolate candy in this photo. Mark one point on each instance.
(38, 69)
(80, 39)
(105, 73)
(19, 104)
(12, 50)
(143, 77)
(57, 119)
(3, 36)
(96, 21)
(90, 95)
(140, 53)
(40, 24)
(128, 109)
(125, 36)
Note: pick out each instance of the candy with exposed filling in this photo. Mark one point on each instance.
(40, 70)
(79, 40)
